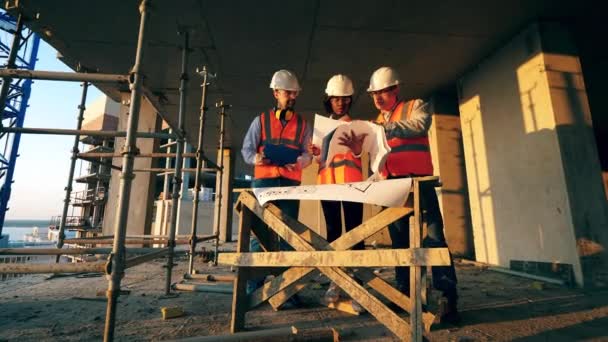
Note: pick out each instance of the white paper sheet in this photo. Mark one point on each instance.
(375, 143)
(387, 193)
(324, 126)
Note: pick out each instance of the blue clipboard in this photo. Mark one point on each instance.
(280, 154)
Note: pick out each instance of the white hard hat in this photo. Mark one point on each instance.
(383, 78)
(286, 80)
(339, 85)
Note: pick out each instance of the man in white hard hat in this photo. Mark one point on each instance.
(406, 124)
(282, 129)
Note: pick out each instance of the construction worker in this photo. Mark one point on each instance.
(406, 124)
(343, 168)
(280, 126)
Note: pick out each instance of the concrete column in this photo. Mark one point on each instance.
(142, 191)
(445, 137)
(533, 172)
(227, 209)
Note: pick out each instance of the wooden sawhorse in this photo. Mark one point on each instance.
(314, 254)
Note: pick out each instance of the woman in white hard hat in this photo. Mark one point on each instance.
(343, 168)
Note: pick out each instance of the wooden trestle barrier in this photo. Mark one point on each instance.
(313, 254)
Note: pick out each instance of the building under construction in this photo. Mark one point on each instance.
(518, 136)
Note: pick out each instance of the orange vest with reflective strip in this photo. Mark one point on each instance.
(408, 156)
(273, 132)
(343, 168)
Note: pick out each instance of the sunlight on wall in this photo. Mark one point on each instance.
(482, 211)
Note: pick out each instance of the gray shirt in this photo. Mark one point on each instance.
(416, 126)
(253, 138)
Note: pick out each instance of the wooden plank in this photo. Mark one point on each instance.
(289, 277)
(239, 293)
(267, 238)
(344, 305)
(415, 272)
(348, 258)
(389, 292)
(346, 241)
(274, 220)
(286, 334)
(373, 305)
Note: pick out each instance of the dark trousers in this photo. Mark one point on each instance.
(288, 208)
(353, 216)
(444, 277)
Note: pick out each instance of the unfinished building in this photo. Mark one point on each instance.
(519, 121)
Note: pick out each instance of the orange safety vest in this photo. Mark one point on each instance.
(408, 156)
(273, 132)
(343, 168)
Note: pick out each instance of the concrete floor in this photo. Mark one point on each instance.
(495, 307)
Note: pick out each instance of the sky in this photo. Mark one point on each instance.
(42, 169)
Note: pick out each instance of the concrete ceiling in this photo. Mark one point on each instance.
(431, 43)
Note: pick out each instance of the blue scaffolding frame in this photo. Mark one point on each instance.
(16, 104)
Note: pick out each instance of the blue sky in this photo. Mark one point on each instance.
(42, 168)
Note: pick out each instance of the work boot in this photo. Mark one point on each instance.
(333, 293)
(448, 311)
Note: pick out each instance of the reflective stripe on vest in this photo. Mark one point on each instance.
(343, 168)
(273, 132)
(408, 156)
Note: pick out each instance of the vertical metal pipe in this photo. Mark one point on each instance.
(117, 258)
(199, 166)
(179, 160)
(10, 64)
(73, 158)
(219, 183)
(167, 166)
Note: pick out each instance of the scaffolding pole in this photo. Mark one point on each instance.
(73, 158)
(69, 251)
(219, 192)
(64, 76)
(104, 134)
(167, 164)
(130, 241)
(117, 258)
(179, 160)
(199, 167)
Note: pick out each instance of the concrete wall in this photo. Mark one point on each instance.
(578, 150)
(142, 189)
(527, 163)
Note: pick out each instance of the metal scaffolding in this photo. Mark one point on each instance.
(21, 55)
(117, 261)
